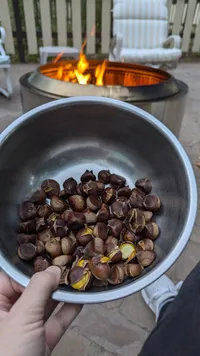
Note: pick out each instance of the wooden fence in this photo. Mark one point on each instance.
(33, 23)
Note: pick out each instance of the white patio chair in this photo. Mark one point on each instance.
(5, 65)
(140, 29)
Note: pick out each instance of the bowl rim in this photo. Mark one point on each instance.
(142, 282)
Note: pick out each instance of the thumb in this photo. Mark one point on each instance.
(39, 290)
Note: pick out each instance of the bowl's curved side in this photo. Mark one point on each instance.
(164, 265)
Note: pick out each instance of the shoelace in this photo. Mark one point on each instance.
(173, 290)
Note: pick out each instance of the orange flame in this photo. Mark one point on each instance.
(80, 74)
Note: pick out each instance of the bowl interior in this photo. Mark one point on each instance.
(66, 139)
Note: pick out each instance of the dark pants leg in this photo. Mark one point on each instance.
(177, 332)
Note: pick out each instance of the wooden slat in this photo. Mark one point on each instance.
(196, 43)
(46, 22)
(61, 15)
(169, 3)
(178, 17)
(105, 25)
(30, 26)
(6, 23)
(90, 26)
(76, 24)
(188, 25)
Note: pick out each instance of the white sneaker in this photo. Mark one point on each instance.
(160, 293)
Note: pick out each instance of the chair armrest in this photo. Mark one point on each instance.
(116, 44)
(2, 35)
(173, 41)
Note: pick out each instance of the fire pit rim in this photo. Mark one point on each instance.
(42, 83)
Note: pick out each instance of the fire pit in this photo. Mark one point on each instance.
(153, 90)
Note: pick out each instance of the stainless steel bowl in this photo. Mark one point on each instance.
(65, 137)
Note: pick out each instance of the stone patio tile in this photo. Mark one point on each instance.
(135, 310)
(113, 305)
(186, 262)
(75, 344)
(109, 329)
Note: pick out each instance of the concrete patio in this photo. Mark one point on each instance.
(121, 327)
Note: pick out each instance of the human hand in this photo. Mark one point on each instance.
(27, 327)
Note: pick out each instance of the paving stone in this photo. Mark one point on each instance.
(113, 305)
(72, 343)
(108, 328)
(186, 262)
(135, 310)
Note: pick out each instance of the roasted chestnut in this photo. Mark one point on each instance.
(146, 258)
(144, 184)
(104, 176)
(136, 199)
(65, 215)
(128, 251)
(117, 181)
(119, 209)
(84, 236)
(45, 235)
(27, 251)
(145, 244)
(124, 192)
(103, 214)
(52, 218)
(79, 189)
(70, 185)
(132, 269)
(90, 188)
(58, 204)
(23, 238)
(93, 203)
(127, 235)
(76, 221)
(147, 215)
(111, 240)
(59, 228)
(108, 195)
(77, 203)
(44, 210)
(100, 186)
(135, 221)
(28, 227)
(79, 278)
(152, 203)
(27, 211)
(68, 245)
(40, 247)
(151, 230)
(88, 175)
(117, 275)
(94, 247)
(40, 224)
(113, 252)
(90, 217)
(99, 267)
(101, 230)
(50, 187)
(38, 196)
(62, 260)
(115, 227)
(53, 247)
(40, 264)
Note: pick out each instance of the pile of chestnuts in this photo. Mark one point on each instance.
(98, 231)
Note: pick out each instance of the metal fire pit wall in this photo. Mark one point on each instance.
(158, 92)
